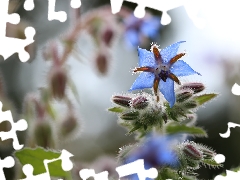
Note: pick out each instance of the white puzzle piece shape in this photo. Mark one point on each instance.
(52, 14)
(9, 45)
(164, 6)
(20, 125)
(7, 162)
(67, 165)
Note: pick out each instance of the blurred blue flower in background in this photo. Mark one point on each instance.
(160, 70)
(156, 151)
(139, 29)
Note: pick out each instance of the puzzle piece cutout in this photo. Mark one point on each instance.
(67, 165)
(9, 45)
(136, 167)
(7, 162)
(192, 8)
(20, 125)
(52, 14)
(229, 174)
(87, 173)
(219, 158)
(230, 125)
(236, 89)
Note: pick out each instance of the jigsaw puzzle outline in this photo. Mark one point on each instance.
(52, 14)
(164, 6)
(67, 165)
(6, 43)
(7, 162)
(6, 51)
(20, 125)
(229, 174)
(236, 89)
(136, 167)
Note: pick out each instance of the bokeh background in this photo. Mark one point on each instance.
(212, 50)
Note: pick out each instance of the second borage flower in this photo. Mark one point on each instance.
(160, 69)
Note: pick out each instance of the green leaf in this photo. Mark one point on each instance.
(35, 157)
(136, 127)
(204, 98)
(116, 109)
(167, 173)
(133, 115)
(211, 162)
(174, 128)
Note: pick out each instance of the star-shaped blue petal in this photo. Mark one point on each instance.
(160, 70)
(146, 58)
(169, 52)
(167, 89)
(144, 80)
(180, 68)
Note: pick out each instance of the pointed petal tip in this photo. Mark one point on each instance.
(181, 41)
(178, 42)
(171, 104)
(198, 73)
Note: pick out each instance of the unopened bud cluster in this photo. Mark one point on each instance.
(140, 112)
(192, 155)
(188, 156)
(137, 111)
(58, 82)
(186, 101)
(45, 126)
(69, 127)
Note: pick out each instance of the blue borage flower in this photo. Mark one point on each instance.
(137, 28)
(156, 151)
(160, 70)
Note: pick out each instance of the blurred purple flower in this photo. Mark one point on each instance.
(138, 29)
(160, 70)
(156, 151)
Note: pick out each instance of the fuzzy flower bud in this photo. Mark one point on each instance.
(122, 100)
(195, 87)
(69, 124)
(140, 102)
(207, 153)
(102, 63)
(43, 134)
(58, 81)
(183, 96)
(190, 104)
(130, 115)
(107, 36)
(191, 152)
